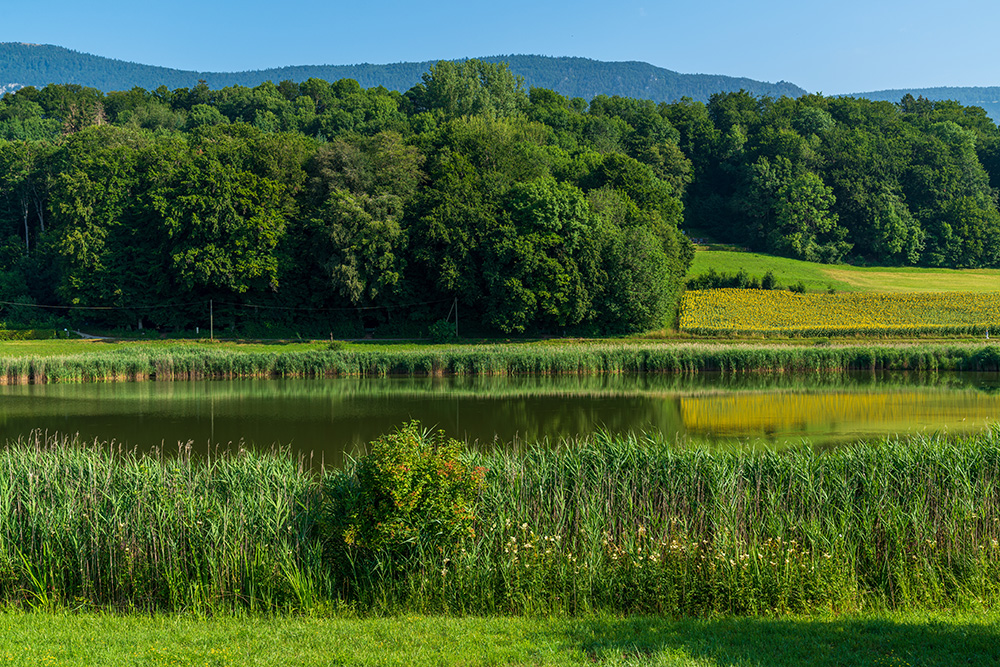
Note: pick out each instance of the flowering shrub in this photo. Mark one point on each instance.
(411, 490)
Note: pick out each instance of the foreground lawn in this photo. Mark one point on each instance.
(843, 278)
(902, 639)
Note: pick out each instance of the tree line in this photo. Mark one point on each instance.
(326, 205)
(329, 205)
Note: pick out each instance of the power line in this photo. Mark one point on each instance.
(349, 308)
(37, 305)
(225, 303)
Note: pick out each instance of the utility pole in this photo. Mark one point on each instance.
(211, 320)
(456, 317)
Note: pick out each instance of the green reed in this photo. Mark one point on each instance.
(632, 525)
(629, 524)
(138, 362)
(605, 524)
(86, 525)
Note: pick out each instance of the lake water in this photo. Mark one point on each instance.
(326, 417)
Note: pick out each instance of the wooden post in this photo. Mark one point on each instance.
(211, 320)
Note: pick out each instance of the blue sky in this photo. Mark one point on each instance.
(850, 46)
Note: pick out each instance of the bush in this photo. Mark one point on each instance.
(411, 491)
(31, 334)
(442, 331)
(739, 280)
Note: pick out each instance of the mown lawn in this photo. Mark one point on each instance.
(843, 278)
(942, 638)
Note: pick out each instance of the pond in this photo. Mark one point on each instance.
(327, 417)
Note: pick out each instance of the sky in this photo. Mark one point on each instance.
(832, 48)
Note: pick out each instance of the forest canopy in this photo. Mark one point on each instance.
(322, 205)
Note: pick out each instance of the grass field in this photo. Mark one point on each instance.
(843, 278)
(712, 312)
(893, 640)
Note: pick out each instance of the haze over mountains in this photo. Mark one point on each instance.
(39, 65)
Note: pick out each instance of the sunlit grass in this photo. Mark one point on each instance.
(896, 640)
(843, 278)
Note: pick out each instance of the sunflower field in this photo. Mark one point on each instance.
(763, 312)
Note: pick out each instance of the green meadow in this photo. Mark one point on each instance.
(845, 278)
(855, 640)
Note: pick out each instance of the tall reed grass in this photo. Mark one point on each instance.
(190, 362)
(87, 525)
(606, 524)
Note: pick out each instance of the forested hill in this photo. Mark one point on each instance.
(39, 65)
(344, 208)
(985, 97)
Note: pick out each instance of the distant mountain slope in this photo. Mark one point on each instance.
(39, 65)
(977, 96)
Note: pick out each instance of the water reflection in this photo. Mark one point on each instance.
(328, 417)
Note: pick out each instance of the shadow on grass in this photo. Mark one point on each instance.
(938, 640)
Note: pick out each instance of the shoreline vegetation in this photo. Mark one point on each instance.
(605, 525)
(39, 362)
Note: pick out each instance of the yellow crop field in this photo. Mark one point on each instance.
(737, 311)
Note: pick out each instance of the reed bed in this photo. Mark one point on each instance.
(129, 363)
(86, 525)
(606, 524)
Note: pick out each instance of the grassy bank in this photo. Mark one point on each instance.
(109, 362)
(607, 525)
(928, 640)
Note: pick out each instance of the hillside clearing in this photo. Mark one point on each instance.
(844, 278)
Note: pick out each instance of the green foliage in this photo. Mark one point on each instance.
(739, 280)
(469, 88)
(619, 525)
(30, 334)
(292, 206)
(411, 493)
(442, 331)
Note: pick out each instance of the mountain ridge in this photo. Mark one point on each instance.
(23, 64)
(39, 65)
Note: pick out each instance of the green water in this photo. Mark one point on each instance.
(325, 418)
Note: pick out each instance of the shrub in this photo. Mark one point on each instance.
(411, 491)
(442, 331)
(739, 280)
